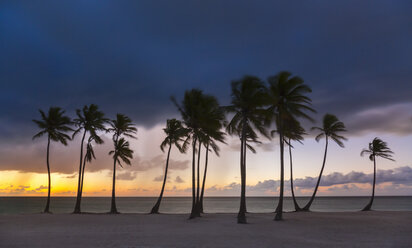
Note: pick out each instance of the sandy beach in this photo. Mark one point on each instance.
(314, 229)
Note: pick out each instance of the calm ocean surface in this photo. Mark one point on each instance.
(14, 205)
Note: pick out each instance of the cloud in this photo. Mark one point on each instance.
(158, 178)
(335, 181)
(178, 179)
(394, 119)
(127, 176)
(41, 188)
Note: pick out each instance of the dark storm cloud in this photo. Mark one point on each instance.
(131, 56)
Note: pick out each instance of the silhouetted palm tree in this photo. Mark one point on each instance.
(287, 99)
(89, 156)
(248, 98)
(194, 109)
(331, 128)
(90, 120)
(55, 125)
(377, 148)
(175, 134)
(293, 131)
(121, 126)
(211, 134)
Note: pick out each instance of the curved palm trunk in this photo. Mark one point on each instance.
(192, 213)
(241, 217)
(279, 208)
(307, 207)
(369, 206)
(78, 198)
(204, 180)
(81, 184)
(113, 209)
(47, 208)
(297, 208)
(155, 209)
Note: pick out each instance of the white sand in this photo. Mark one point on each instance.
(359, 229)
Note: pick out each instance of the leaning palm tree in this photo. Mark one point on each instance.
(121, 126)
(121, 152)
(331, 128)
(248, 99)
(175, 134)
(194, 109)
(90, 120)
(287, 99)
(55, 125)
(293, 131)
(89, 156)
(377, 148)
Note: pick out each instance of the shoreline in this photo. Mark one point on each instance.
(301, 229)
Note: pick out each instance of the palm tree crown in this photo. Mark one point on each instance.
(378, 148)
(122, 152)
(122, 125)
(55, 124)
(91, 119)
(331, 128)
(175, 133)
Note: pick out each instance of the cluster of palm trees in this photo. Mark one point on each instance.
(256, 106)
(89, 123)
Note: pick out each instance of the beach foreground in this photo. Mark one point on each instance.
(314, 229)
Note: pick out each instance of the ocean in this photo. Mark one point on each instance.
(25, 205)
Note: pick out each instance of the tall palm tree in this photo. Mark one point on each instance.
(175, 134)
(248, 99)
(293, 131)
(89, 156)
(121, 126)
(287, 99)
(121, 152)
(55, 125)
(194, 110)
(377, 148)
(90, 120)
(211, 134)
(331, 128)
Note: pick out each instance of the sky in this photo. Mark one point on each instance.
(131, 56)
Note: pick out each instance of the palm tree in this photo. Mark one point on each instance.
(287, 99)
(121, 152)
(175, 132)
(293, 131)
(89, 156)
(121, 126)
(192, 110)
(55, 125)
(248, 98)
(331, 128)
(377, 148)
(89, 120)
(211, 134)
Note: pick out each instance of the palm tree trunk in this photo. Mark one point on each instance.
(204, 180)
(192, 213)
(113, 209)
(47, 208)
(369, 206)
(279, 208)
(241, 217)
(297, 208)
(155, 209)
(197, 207)
(77, 206)
(307, 207)
(81, 184)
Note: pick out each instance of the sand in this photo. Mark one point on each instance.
(314, 229)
